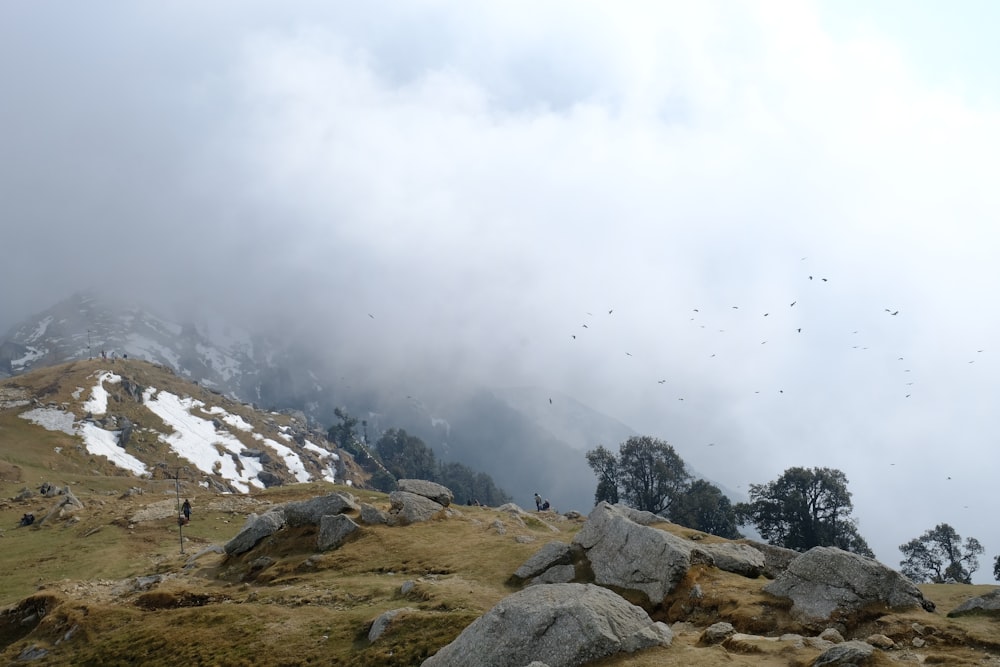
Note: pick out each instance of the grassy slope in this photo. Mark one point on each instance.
(283, 603)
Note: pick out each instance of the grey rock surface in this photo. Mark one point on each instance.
(407, 508)
(827, 584)
(442, 495)
(853, 653)
(309, 512)
(984, 604)
(631, 556)
(334, 529)
(553, 553)
(561, 625)
(737, 558)
(254, 530)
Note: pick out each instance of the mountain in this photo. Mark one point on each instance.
(126, 417)
(527, 439)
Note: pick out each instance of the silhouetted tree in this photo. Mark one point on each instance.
(804, 508)
(939, 557)
(704, 507)
(996, 568)
(647, 474)
(406, 456)
(605, 465)
(343, 433)
(468, 485)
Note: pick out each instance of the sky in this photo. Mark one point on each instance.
(449, 192)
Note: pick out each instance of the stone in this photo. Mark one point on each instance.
(372, 515)
(334, 529)
(630, 556)
(384, 620)
(832, 635)
(309, 512)
(557, 574)
(880, 641)
(553, 553)
(828, 585)
(988, 604)
(407, 508)
(852, 653)
(254, 530)
(442, 495)
(560, 625)
(716, 633)
(737, 558)
(776, 559)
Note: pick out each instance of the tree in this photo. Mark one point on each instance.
(605, 465)
(406, 456)
(647, 472)
(996, 568)
(704, 507)
(342, 433)
(804, 508)
(939, 557)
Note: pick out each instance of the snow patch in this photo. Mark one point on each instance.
(98, 403)
(105, 443)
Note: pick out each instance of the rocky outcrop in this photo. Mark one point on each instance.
(254, 530)
(633, 557)
(384, 620)
(828, 585)
(551, 555)
(372, 515)
(309, 512)
(334, 531)
(442, 495)
(560, 625)
(988, 604)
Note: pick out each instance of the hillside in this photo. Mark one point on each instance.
(115, 581)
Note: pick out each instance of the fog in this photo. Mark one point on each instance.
(764, 232)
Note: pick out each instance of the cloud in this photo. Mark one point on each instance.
(454, 190)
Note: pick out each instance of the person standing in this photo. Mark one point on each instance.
(538, 502)
(186, 509)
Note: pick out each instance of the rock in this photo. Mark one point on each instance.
(553, 553)
(126, 432)
(254, 530)
(716, 634)
(880, 641)
(410, 508)
(630, 556)
(372, 515)
(407, 587)
(442, 495)
(334, 531)
(776, 559)
(561, 625)
(832, 635)
(984, 604)
(853, 654)
(382, 622)
(737, 558)
(558, 574)
(309, 512)
(827, 584)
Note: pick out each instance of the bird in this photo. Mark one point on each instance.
(823, 279)
(765, 314)
(550, 401)
(371, 316)
(892, 312)
(661, 382)
(574, 336)
(611, 311)
(792, 304)
(799, 329)
(810, 277)
(696, 310)
(585, 326)
(628, 354)
(736, 307)
(711, 444)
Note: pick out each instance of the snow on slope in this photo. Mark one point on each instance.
(194, 438)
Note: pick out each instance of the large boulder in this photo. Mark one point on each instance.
(552, 554)
(736, 558)
(560, 625)
(334, 531)
(776, 559)
(442, 495)
(406, 508)
(988, 604)
(849, 654)
(632, 557)
(254, 530)
(309, 512)
(828, 585)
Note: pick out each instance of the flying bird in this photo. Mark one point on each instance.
(628, 354)
(371, 316)
(585, 326)
(550, 401)
(661, 382)
(792, 304)
(765, 314)
(892, 312)
(799, 329)
(574, 336)
(611, 311)
(823, 279)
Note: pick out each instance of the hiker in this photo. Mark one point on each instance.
(186, 508)
(546, 504)
(538, 502)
